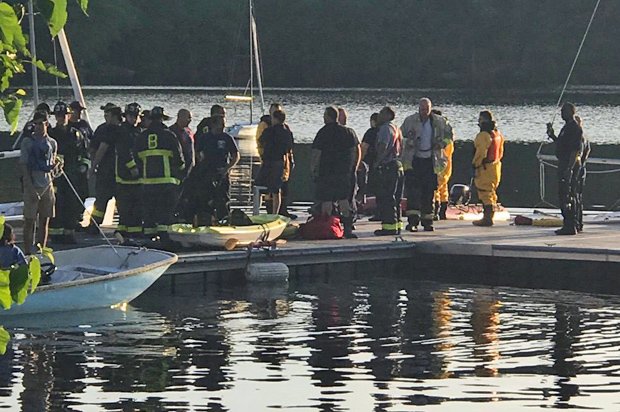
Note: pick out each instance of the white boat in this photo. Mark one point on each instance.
(96, 277)
(265, 227)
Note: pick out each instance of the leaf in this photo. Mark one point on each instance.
(10, 29)
(20, 281)
(83, 5)
(50, 68)
(46, 252)
(20, 92)
(5, 337)
(5, 292)
(35, 272)
(55, 12)
(11, 106)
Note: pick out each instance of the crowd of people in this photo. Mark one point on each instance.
(160, 174)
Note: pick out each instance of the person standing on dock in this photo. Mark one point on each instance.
(38, 160)
(276, 144)
(487, 165)
(426, 136)
(160, 160)
(76, 121)
(389, 172)
(335, 156)
(343, 117)
(186, 137)
(128, 189)
(580, 178)
(369, 154)
(73, 152)
(442, 194)
(568, 147)
(102, 155)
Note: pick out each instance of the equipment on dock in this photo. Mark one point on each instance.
(96, 277)
(264, 227)
(460, 195)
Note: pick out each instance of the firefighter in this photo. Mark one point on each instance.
(102, 155)
(427, 135)
(76, 121)
(161, 165)
(568, 147)
(127, 194)
(72, 151)
(389, 173)
(487, 165)
(442, 194)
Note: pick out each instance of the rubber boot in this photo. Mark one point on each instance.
(436, 210)
(412, 223)
(487, 217)
(347, 222)
(568, 228)
(443, 208)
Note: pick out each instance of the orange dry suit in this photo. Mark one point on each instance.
(487, 165)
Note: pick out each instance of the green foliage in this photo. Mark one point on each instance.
(4, 340)
(17, 282)
(11, 104)
(55, 12)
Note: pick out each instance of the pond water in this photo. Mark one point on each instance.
(325, 342)
(521, 115)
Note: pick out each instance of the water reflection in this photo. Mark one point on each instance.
(328, 343)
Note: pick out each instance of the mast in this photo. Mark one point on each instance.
(259, 75)
(33, 52)
(73, 76)
(251, 62)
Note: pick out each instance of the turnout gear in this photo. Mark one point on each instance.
(161, 165)
(127, 179)
(390, 178)
(487, 218)
(442, 193)
(487, 163)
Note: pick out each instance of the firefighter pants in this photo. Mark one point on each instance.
(158, 203)
(420, 186)
(129, 206)
(486, 181)
(442, 194)
(390, 180)
(105, 186)
(69, 209)
(578, 185)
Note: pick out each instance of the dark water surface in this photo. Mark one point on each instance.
(323, 342)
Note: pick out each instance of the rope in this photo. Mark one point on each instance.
(91, 216)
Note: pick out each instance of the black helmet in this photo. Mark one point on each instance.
(460, 195)
(133, 108)
(61, 108)
(43, 108)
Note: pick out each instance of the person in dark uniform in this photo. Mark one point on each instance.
(72, 150)
(277, 144)
(76, 121)
(209, 183)
(365, 174)
(568, 151)
(335, 156)
(128, 190)
(580, 178)
(390, 174)
(102, 155)
(186, 137)
(161, 165)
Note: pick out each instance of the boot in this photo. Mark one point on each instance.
(412, 223)
(436, 211)
(443, 208)
(347, 222)
(568, 228)
(487, 217)
(387, 232)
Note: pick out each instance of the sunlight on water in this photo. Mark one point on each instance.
(523, 119)
(363, 343)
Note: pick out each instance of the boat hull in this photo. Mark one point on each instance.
(98, 291)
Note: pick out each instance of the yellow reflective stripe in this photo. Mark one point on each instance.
(121, 228)
(130, 164)
(56, 231)
(166, 166)
(162, 228)
(154, 152)
(97, 213)
(134, 229)
(390, 226)
(150, 230)
(401, 225)
(159, 180)
(412, 212)
(127, 182)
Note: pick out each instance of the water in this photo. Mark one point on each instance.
(521, 116)
(360, 343)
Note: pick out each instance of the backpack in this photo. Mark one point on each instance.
(322, 227)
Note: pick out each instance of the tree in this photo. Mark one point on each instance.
(14, 53)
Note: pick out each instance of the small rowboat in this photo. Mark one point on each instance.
(264, 227)
(96, 277)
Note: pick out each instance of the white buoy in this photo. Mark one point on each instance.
(267, 272)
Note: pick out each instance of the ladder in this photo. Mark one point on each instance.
(241, 181)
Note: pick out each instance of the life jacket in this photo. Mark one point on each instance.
(39, 159)
(494, 151)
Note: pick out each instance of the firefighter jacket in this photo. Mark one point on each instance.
(72, 149)
(159, 156)
(441, 137)
(125, 160)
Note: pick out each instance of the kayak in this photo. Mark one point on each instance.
(95, 277)
(264, 227)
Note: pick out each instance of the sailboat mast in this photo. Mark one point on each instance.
(33, 52)
(259, 74)
(73, 75)
(251, 62)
